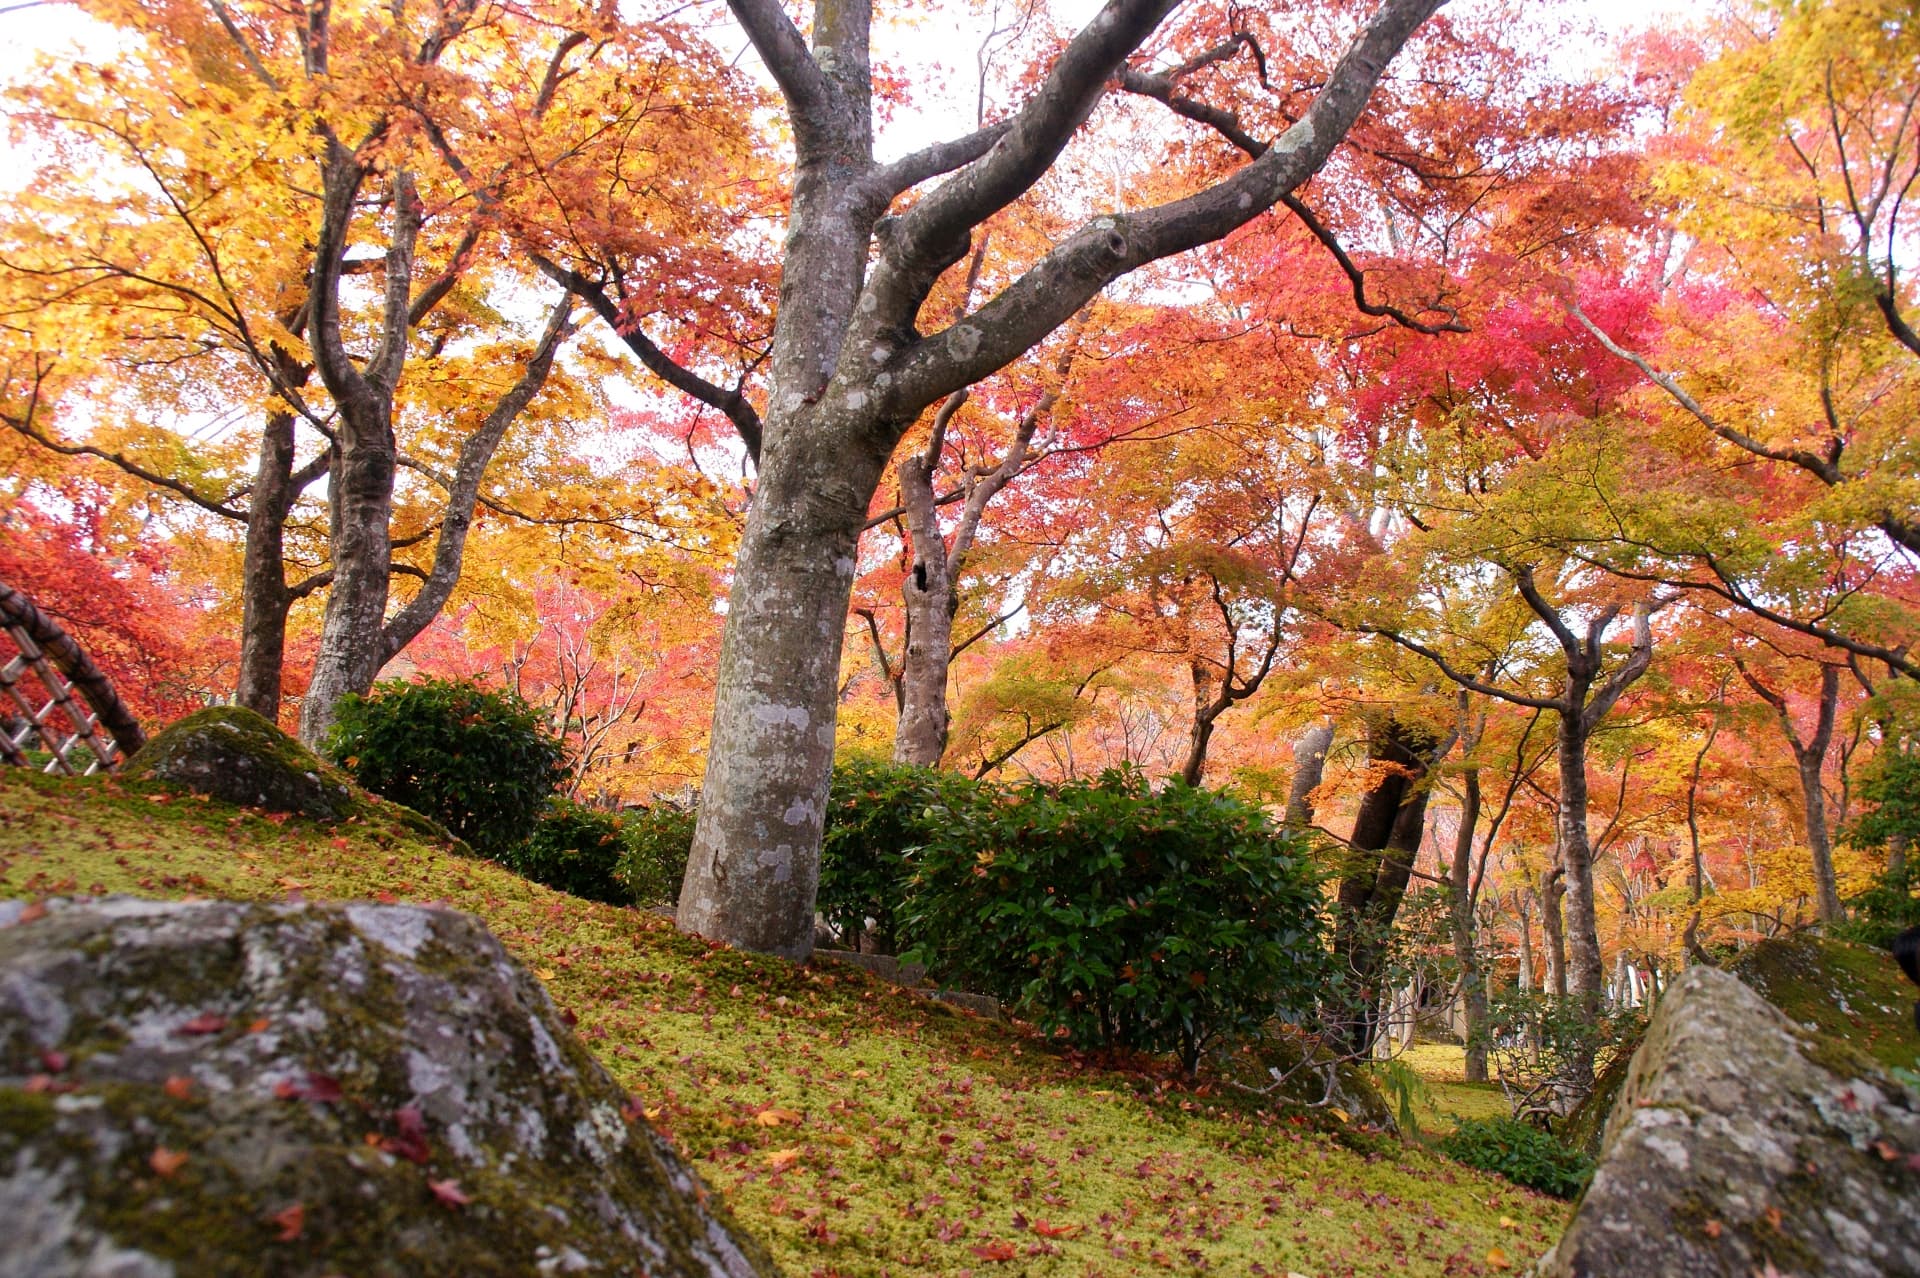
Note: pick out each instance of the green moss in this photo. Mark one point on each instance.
(1852, 998)
(921, 1134)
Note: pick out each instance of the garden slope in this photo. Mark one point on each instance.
(856, 1129)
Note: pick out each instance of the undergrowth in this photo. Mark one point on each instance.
(860, 1130)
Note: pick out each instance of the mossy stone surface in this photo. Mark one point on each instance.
(1855, 996)
(223, 1088)
(238, 757)
(1743, 1144)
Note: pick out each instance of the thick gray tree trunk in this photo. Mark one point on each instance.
(850, 372)
(1473, 989)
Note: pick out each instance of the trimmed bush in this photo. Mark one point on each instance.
(655, 844)
(480, 762)
(877, 812)
(1119, 916)
(1520, 1152)
(576, 849)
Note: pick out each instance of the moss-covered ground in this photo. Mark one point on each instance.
(858, 1129)
(1851, 995)
(1449, 1097)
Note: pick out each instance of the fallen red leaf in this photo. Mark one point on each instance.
(205, 1023)
(179, 1086)
(55, 1062)
(995, 1252)
(34, 912)
(1045, 1230)
(165, 1162)
(411, 1142)
(291, 1221)
(258, 1025)
(449, 1192)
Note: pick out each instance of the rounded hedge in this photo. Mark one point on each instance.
(481, 762)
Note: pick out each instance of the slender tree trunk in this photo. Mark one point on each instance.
(1553, 932)
(931, 603)
(1473, 990)
(1585, 971)
(1526, 947)
(1309, 768)
(265, 599)
(1194, 767)
(1810, 760)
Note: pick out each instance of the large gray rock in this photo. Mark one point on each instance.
(218, 1088)
(238, 757)
(1742, 1141)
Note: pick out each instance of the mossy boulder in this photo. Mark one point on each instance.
(1587, 1123)
(222, 1088)
(1743, 1143)
(1854, 996)
(1300, 1074)
(236, 756)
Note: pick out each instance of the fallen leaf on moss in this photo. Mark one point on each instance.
(781, 1159)
(165, 1162)
(178, 1086)
(449, 1192)
(205, 1023)
(291, 1221)
(995, 1252)
(1046, 1230)
(775, 1117)
(1497, 1258)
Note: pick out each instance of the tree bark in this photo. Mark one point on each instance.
(1473, 990)
(850, 372)
(1553, 933)
(265, 599)
(1810, 761)
(1309, 769)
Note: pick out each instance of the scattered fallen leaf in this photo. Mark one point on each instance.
(34, 912)
(995, 1252)
(1046, 1230)
(1497, 1259)
(449, 1192)
(1508, 1222)
(55, 1062)
(290, 883)
(178, 1086)
(1886, 1151)
(291, 1221)
(544, 973)
(781, 1159)
(1713, 1228)
(258, 1025)
(1340, 1114)
(205, 1023)
(165, 1162)
(775, 1117)
(1773, 1217)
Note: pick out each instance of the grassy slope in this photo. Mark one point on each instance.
(917, 1140)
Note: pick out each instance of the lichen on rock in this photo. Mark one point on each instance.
(238, 757)
(1742, 1143)
(223, 1088)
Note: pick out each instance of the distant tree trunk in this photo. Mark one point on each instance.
(1473, 990)
(1309, 768)
(1810, 760)
(1526, 946)
(265, 599)
(1553, 931)
(1378, 863)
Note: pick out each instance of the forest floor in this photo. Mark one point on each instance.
(859, 1129)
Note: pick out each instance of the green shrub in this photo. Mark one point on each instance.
(1521, 1152)
(576, 849)
(480, 762)
(1120, 916)
(656, 842)
(876, 811)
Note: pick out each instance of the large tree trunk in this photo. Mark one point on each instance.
(1200, 737)
(360, 510)
(851, 370)
(753, 873)
(1586, 974)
